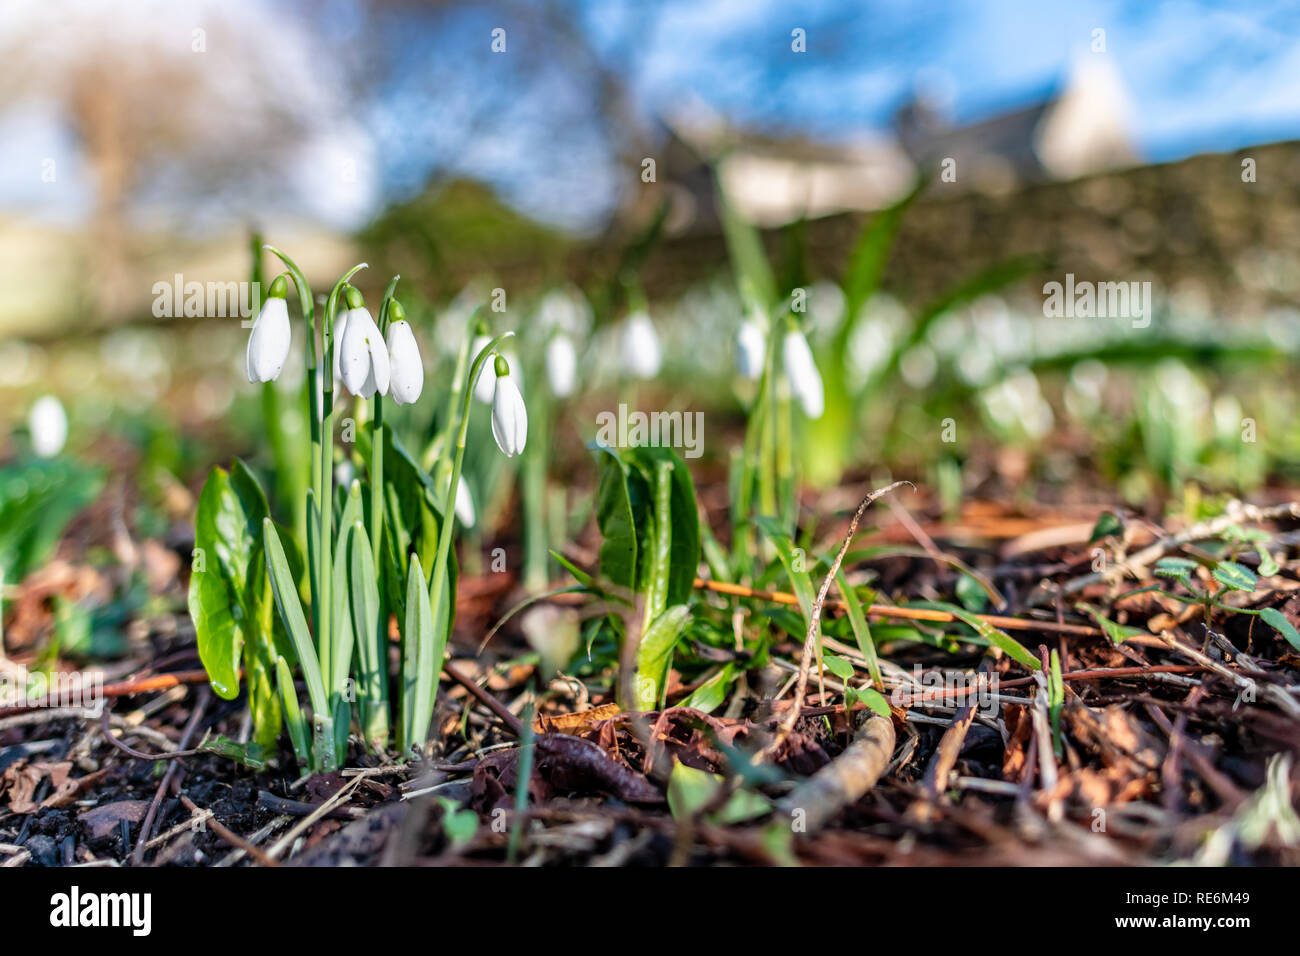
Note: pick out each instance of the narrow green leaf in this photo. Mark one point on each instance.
(372, 696)
(286, 599)
(294, 721)
(861, 630)
(1000, 639)
(420, 630)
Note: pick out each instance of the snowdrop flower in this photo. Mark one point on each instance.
(561, 365)
(801, 370)
(465, 513)
(509, 415)
(363, 357)
(48, 424)
(751, 343)
(268, 344)
(641, 355)
(486, 383)
(406, 380)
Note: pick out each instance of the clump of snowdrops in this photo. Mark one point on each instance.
(267, 604)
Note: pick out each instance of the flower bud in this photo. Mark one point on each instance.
(801, 370)
(641, 354)
(509, 415)
(561, 365)
(48, 424)
(486, 383)
(268, 343)
(363, 357)
(406, 380)
(751, 344)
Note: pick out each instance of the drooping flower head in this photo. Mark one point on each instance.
(509, 414)
(48, 424)
(801, 370)
(561, 365)
(486, 383)
(751, 346)
(362, 354)
(406, 379)
(641, 353)
(268, 343)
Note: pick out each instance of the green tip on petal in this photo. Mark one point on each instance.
(395, 311)
(352, 296)
(502, 367)
(280, 287)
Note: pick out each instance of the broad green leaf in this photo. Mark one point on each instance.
(1279, 622)
(1267, 563)
(684, 517)
(872, 698)
(841, 667)
(223, 596)
(614, 517)
(971, 593)
(1109, 524)
(711, 695)
(1235, 576)
(691, 790)
(37, 500)
(654, 653)
(1178, 568)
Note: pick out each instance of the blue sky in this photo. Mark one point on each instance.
(1202, 76)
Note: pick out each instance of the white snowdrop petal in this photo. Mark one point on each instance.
(509, 417)
(465, 505)
(48, 424)
(751, 343)
(487, 378)
(268, 344)
(641, 354)
(561, 365)
(801, 370)
(355, 365)
(340, 328)
(406, 367)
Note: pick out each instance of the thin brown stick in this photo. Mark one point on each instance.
(515, 725)
(814, 619)
(847, 778)
(126, 688)
(229, 835)
(191, 728)
(904, 613)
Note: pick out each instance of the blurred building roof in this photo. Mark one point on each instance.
(1083, 127)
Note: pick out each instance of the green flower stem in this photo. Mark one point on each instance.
(424, 691)
(325, 548)
(308, 305)
(536, 557)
